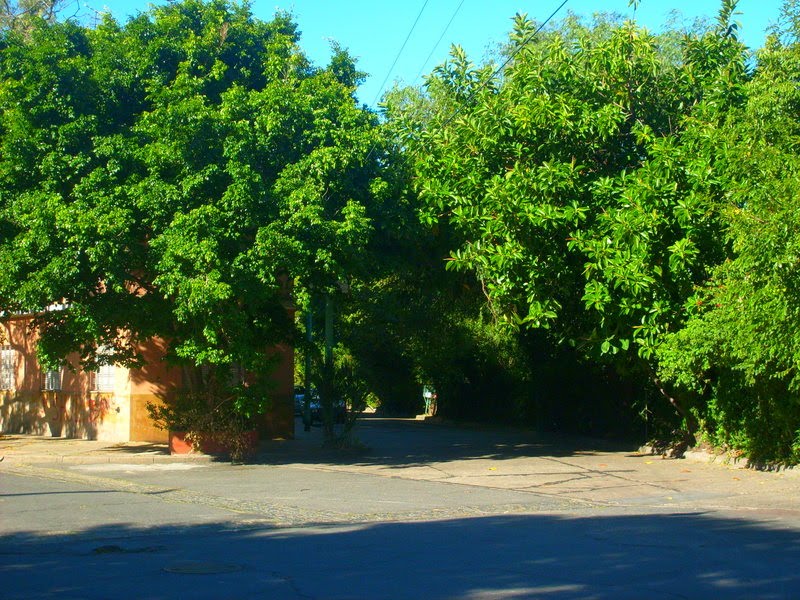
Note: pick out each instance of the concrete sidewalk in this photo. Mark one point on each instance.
(36, 449)
(584, 471)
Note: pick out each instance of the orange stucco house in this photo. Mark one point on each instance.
(108, 404)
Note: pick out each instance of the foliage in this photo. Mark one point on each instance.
(223, 409)
(162, 177)
(614, 207)
(348, 388)
(578, 184)
(634, 196)
(211, 418)
(739, 350)
(19, 14)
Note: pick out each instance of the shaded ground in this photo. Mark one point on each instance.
(428, 511)
(519, 556)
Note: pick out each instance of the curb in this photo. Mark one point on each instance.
(106, 459)
(740, 462)
(725, 459)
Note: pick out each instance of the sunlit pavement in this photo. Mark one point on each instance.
(428, 511)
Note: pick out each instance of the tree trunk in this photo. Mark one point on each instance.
(691, 422)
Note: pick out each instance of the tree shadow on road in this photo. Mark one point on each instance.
(405, 443)
(522, 556)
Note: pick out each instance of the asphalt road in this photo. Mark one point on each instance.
(427, 512)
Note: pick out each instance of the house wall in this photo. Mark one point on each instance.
(155, 383)
(73, 411)
(158, 382)
(77, 411)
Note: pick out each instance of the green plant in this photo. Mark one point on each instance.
(181, 166)
(578, 187)
(224, 420)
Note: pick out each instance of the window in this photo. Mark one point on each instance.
(236, 375)
(52, 381)
(104, 379)
(104, 376)
(8, 368)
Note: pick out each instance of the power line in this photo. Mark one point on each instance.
(493, 75)
(503, 66)
(408, 37)
(439, 41)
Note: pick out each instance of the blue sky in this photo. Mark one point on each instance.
(374, 31)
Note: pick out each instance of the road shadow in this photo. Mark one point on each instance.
(405, 443)
(138, 449)
(534, 556)
(389, 442)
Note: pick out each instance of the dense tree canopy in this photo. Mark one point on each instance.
(579, 181)
(612, 196)
(740, 351)
(160, 178)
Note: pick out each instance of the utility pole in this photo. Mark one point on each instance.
(327, 396)
(307, 394)
(328, 331)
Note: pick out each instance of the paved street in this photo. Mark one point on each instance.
(429, 511)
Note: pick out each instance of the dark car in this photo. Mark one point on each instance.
(339, 411)
(299, 399)
(315, 406)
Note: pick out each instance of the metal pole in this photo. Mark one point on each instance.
(307, 395)
(327, 398)
(328, 331)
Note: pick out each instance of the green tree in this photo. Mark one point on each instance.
(164, 177)
(578, 182)
(19, 14)
(738, 352)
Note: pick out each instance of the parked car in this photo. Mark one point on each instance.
(315, 406)
(339, 410)
(299, 399)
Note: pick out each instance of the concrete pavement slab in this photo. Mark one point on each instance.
(484, 466)
(31, 449)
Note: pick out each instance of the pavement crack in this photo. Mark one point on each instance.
(290, 581)
(612, 474)
(281, 515)
(440, 470)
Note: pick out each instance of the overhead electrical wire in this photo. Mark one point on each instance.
(505, 63)
(439, 41)
(494, 74)
(399, 53)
